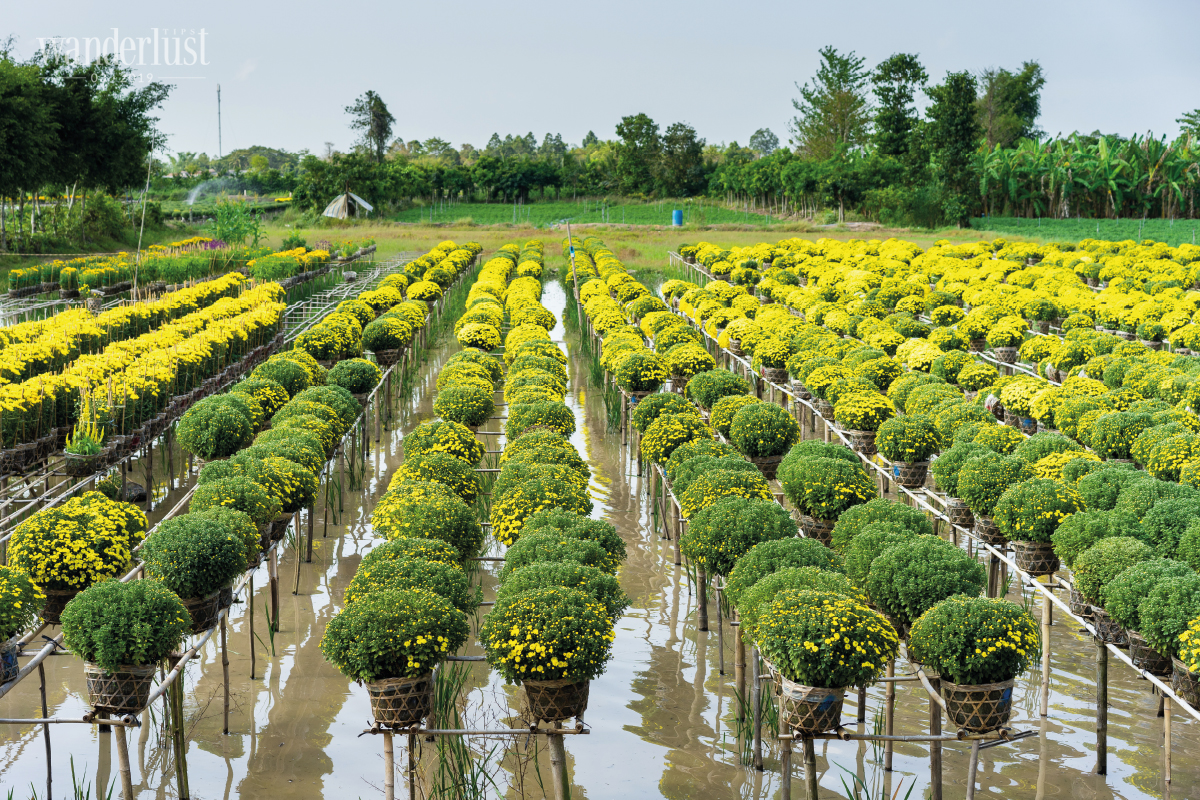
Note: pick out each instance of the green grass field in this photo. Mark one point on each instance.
(541, 214)
(1174, 233)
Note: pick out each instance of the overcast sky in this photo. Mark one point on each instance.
(463, 70)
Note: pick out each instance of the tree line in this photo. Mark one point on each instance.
(72, 133)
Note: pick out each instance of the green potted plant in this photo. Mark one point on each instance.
(446, 580)
(1005, 337)
(122, 631)
(706, 388)
(1151, 334)
(509, 513)
(718, 535)
(907, 580)
(978, 646)
(427, 510)
(946, 470)
(819, 643)
(356, 375)
(100, 535)
(556, 416)
(862, 413)
(1096, 567)
(687, 360)
(1028, 513)
(649, 408)
(822, 488)
(469, 405)
(770, 359)
(242, 494)
(974, 378)
(195, 557)
(721, 417)
(712, 486)
(772, 555)
(759, 597)
(83, 449)
(853, 520)
(213, 429)
(601, 586)
(571, 525)
(1185, 678)
(439, 436)
(764, 433)
(908, 442)
(441, 467)
(391, 639)
(981, 481)
(670, 431)
(387, 337)
(20, 603)
(1078, 532)
(1040, 312)
(642, 372)
(1165, 615)
(1123, 598)
(553, 641)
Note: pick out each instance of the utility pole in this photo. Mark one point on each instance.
(219, 154)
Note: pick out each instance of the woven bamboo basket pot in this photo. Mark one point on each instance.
(1146, 657)
(401, 702)
(1185, 682)
(776, 375)
(204, 611)
(824, 408)
(1108, 629)
(978, 708)
(977, 345)
(56, 601)
(264, 536)
(735, 347)
(987, 531)
(862, 441)
(809, 709)
(78, 465)
(1006, 355)
(8, 659)
(1079, 607)
(801, 390)
(910, 476)
(124, 692)
(767, 465)
(819, 529)
(1011, 419)
(959, 513)
(225, 597)
(1036, 558)
(553, 701)
(387, 358)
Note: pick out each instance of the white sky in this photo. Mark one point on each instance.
(464, 70)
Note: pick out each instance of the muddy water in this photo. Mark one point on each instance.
(661, 718)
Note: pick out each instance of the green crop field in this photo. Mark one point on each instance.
(1172, 232)
(591, 211)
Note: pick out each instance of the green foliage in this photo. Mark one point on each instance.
(598, 584)
(113, 624)
(1032, 510)
(1105, 560)
(763, 429)
(441, 467)
(649, 408)
(854, 520)
(435, 436)
(21, 601)
(239, 493)
(553, 415)
(1081, 530)
(726, 408)
(446, 580)
(577, 526)
(1124, 594)
(947, 466)
(1112, 435)
(825, 487)
(549, 633)
(214, 428)
(552, 545)
(699, 447)
(670, 431)
(908, 439)
(1040, 445)
(427, 510)
(1164, 614)
(1101, 488)
(999, 438)
(869, 544)
(975, 640)
(720, 534)
(468, 405)
(194, 555)
(907, 580)
(981, 480)
(758, 598)
(392, 633)
(773, 555)
(825, 640)
(708, 387)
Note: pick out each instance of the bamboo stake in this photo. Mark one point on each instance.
(935, 747)
(46, 733)
(810, 769)
(389, 767)
(250, 615)
(889, 715)
(756, 694)
(1047, 621)
(702, 604)
(558, 766)
(1101, 708)
(225, 671)
(123, 764)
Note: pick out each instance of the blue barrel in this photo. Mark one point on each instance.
(677, 218)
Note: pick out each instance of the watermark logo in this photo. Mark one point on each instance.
(164, 47)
